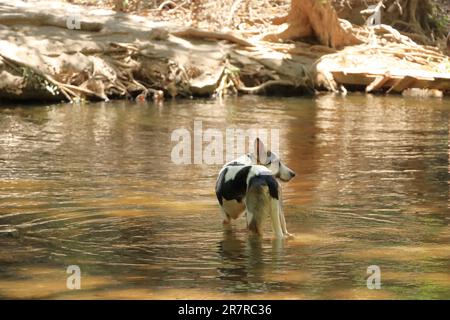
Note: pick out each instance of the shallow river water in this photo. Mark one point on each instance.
(94, 186)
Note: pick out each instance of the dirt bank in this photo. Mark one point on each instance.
(52, 50)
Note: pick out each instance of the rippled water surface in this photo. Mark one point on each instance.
(94, 186)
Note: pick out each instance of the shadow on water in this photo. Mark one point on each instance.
(95, 186)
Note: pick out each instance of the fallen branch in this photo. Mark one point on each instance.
(201, 34)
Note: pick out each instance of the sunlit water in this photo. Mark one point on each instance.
(95, 186)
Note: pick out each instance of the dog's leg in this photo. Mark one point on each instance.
(256, 211)
(281, 211)
(226, 218)
(276, 219)
(251, 222)
(283, 220)
(283, 225)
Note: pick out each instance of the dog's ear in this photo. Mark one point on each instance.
(260, 152)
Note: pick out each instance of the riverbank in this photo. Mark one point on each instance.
(53, 51)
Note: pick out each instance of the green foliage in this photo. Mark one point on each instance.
(443, 67)
(38, 82)
(439, 20)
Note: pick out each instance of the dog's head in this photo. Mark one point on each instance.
(272, 161)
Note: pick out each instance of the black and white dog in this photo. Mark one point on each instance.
(249, 184)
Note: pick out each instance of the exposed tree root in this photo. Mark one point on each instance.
(420, 17)
(265, 87)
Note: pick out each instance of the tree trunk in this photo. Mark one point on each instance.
(315, 19)
(119, 5)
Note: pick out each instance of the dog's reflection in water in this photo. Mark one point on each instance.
(246, 258)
